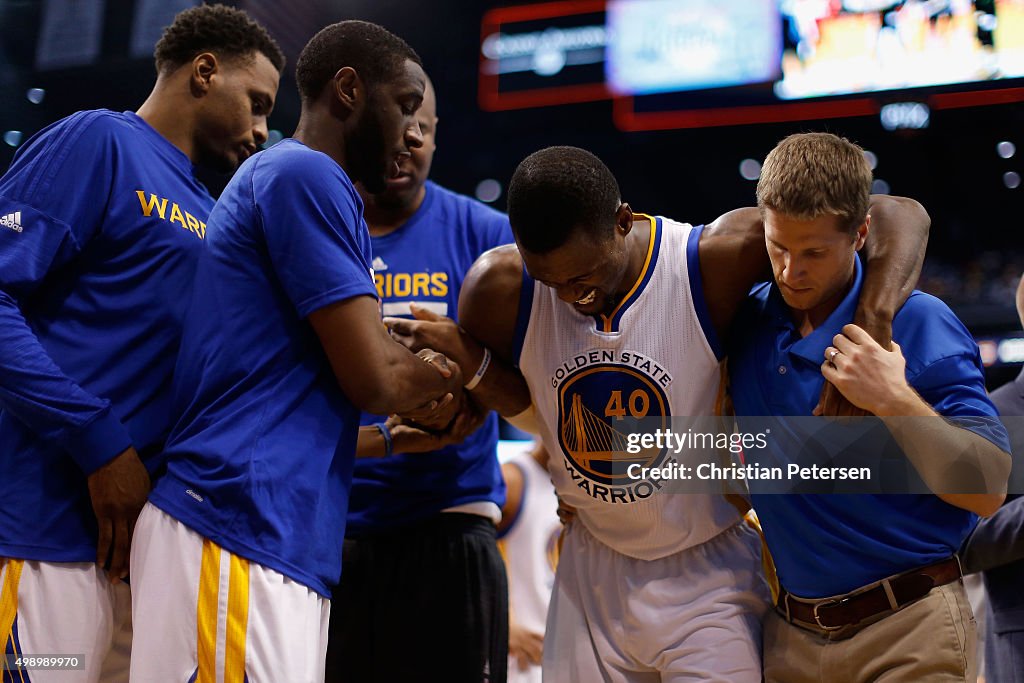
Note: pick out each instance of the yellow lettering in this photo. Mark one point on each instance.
(154, 201)
(403, 284)
(378, 280)
(420, 284)
(439, 284)
(176, 215)
(186, 220)
(193, 224)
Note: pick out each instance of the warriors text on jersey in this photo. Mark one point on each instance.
(103, 224)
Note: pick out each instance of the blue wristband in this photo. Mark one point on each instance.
(386, 433)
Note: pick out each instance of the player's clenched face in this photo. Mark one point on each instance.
(232, 120)
(812, 260)
(585, 272)
(387, 130)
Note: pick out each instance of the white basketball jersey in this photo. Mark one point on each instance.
(651, 358)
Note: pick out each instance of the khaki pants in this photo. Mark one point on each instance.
(930, 641)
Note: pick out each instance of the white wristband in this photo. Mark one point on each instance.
(484, 364)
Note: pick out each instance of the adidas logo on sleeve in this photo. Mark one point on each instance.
(12, 221)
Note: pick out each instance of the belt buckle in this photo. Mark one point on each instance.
(817, 617)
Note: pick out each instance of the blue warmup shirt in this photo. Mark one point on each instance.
(261, 459)
(101, 226)
(826, 545)
(424, 262)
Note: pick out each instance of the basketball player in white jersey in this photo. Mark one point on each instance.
(607, 313)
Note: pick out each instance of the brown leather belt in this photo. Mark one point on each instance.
(889, 595)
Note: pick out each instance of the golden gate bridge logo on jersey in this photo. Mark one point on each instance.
(598, 407)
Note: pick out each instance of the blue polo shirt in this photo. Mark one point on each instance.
(826, 545)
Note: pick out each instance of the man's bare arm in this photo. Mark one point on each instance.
(488, 310)
(376, 374)
(894, 254)
(733, 258)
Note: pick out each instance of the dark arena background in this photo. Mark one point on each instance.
(934, 95)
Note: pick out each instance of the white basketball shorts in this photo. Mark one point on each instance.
(205, 615)
(66, 611)
(692, 616)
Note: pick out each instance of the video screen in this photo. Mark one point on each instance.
(798, 49)
(857, 46)
(674, 45)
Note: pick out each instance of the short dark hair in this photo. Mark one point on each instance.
(375, 53)
(809, 175)
(558, 190)
(225, 31)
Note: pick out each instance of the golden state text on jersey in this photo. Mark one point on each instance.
(602, 396)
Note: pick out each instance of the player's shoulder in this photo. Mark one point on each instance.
(290, 157)
(673, 234)
(91, 128)
(290, 166)
(475, 213)
(81, 144)
(732, 223)
(928, 330)
(673, 225)
(96, 121)
(499, 268)
(490, 299)
(497, 275)
(924, 312)
(735, 236)
(449, 197)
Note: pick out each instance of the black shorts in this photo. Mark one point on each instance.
(421, 603)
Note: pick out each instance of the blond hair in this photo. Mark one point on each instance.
(810, 175)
